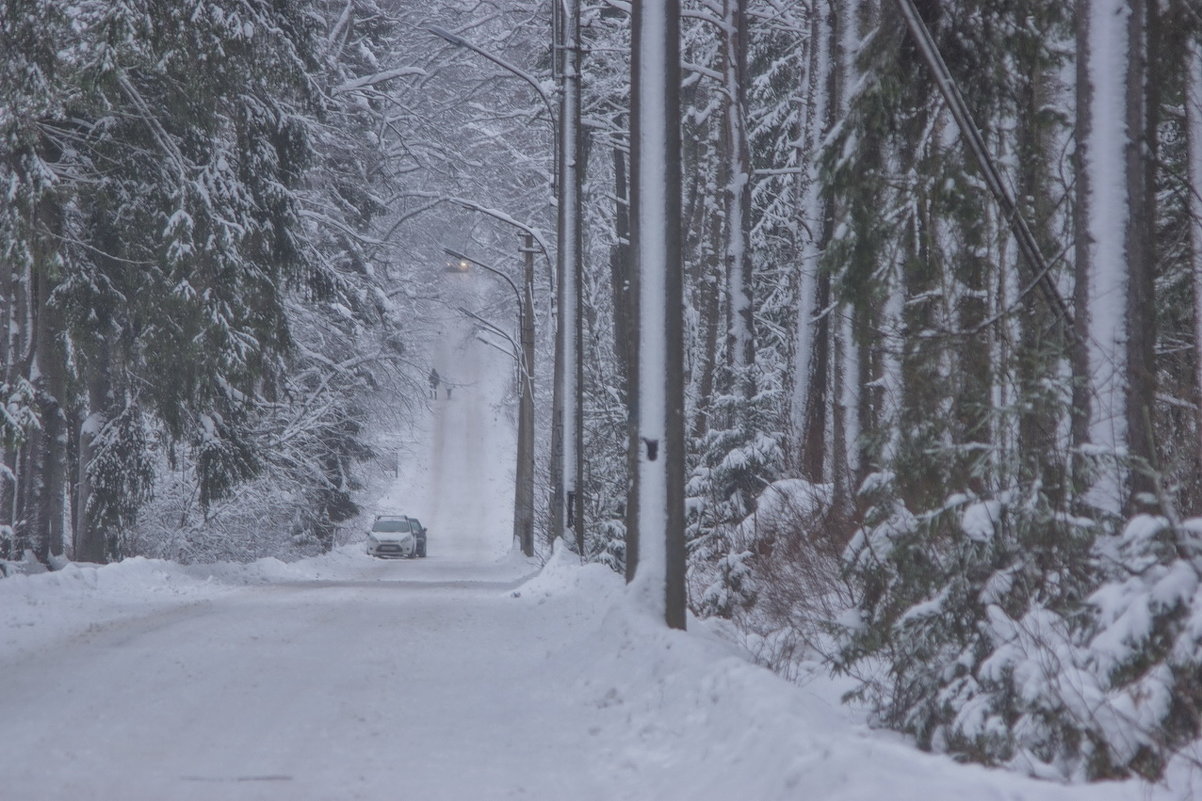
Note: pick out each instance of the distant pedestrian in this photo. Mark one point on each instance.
(448, 391)
(434, 381)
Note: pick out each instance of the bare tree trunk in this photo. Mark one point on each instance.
(844, 430)
(705, 223)
(46, 499)
(23, 516)
(813, 338)
(1115, 258)
(1114, 247)
(624, 279)
(972, 402)
(18, 359)
(8, 450)
(1040, 340)
(619, 272)
(1141, 155)
(1079, 357)
(710, 294)
(1193, 113)
(848, 462)
(658, 546)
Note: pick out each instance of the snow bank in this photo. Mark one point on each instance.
(40, 608)
(564, 575)
(685, 715)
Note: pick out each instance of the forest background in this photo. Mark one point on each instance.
(973, 485)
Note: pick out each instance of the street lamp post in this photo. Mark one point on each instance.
(523, 497)
(567, 427)
(516, 71)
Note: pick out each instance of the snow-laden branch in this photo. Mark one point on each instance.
(379, 77)
(156, 130)
(513, 69)
(620, 5)
(704, 72)
(325, 219)
(340, 26)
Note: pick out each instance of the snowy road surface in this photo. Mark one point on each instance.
(342, 677)
(345, 688)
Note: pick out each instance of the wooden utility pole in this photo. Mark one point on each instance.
(523, 498)
(656, 545)
(568, 426)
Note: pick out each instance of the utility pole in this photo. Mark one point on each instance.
(656, 546)
(568, 424)
(523, 498)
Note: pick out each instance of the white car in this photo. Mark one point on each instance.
(396, 537)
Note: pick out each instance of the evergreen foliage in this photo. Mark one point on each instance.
(982, 580)
(162, 162)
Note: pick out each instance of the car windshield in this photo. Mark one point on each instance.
(390, 526)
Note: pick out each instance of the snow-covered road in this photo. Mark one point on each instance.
(348, 687)
(339, 677)
(343, 677)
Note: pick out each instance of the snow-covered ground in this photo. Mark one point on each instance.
(342, 677)
(455, 677)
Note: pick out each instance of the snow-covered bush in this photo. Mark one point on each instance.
(1011, 634)
(1145, 641)
(780, 580)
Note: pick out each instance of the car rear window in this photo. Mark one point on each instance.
(391, 526)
